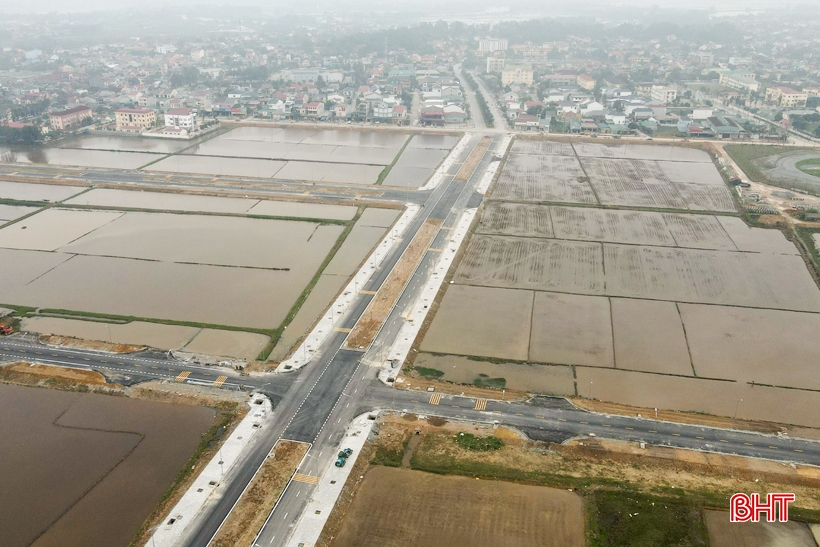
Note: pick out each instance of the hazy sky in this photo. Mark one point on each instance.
(471, 6)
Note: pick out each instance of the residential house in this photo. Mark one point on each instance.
(182, 118)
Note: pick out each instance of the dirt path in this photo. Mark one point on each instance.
(256, 503)
(385, 299)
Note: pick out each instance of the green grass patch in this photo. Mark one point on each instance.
(478, 444)
(23, 203)
(750, 157)
(386, 170)
(387, 457)
(429, 372)
(632, 519)
(810, 166)
(484, 381)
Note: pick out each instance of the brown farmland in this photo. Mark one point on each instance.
(400, 508)
(75, 455)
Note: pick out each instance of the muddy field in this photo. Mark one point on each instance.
(77, 454)
(640, 152)
(399, 507)
(723, 533)
(228, 343)
(115, 259)
(524, 176)
(211, 165)
(25, 191)
(168, 337)
(13, 212)
(82, 158)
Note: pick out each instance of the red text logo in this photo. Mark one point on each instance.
(744, 508)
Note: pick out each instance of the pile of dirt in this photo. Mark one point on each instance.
(52, 376)
(421, 384)
(258, 501)
(70, 342)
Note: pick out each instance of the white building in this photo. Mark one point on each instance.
(182, 118)
(166, 48)
(492, 44)
(663, 93)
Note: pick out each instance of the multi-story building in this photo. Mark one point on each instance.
(495, 64)
(744, 81)
(197, 54)
(492, 44)
(182, 118)
(134, 120)
(516, 75)
(585, 81)
(786, 97)
(166, 48)
(69, 119)
(663, 93)
(315, 109)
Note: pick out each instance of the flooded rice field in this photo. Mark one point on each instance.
(53, 228)
(25, 191)
(314, 171)
(74, 456)
(228, 343)
(123, 143)
(13, 212)
(415, 165)
(77, 157)
(210, 165)
(662, 309)
(298, 209)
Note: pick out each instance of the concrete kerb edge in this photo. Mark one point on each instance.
(407, 334)
(309, 348)
(201, 490)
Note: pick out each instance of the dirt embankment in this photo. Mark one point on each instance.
(421, 384)
(47, 376)
(475, 156)
(258, 500)
(70, 342)
(385, 299)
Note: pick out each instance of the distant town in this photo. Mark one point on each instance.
(715, 83)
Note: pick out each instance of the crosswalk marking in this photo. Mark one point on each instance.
(307, 479)
(481, 404)
(435, 398)
(219, 381)
(183, 376)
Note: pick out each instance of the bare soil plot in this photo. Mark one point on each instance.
(13, 212)
(398, 507)
(468, 167)
(53, 228)
(590, 224)
(641, 152)
(81, 452)
(649, 336)
(228, 343)
(701, 197)
(182, 292)
(385, 299)
(138, 333)
(543, 178)
(550, 148)
(757, 240)
(303, 210)
(427, 140)
(528, 377)
(526, 263)
(250, 512)
(696, 173)
(162, 201)
(717, 397)
(711, 277)
(723, 533)
(296, 247)
(26, 191)
(314, 171)
(482, 321)
(766, 346)
(698, 232)
(211, 165)
(516, 219)
(631, 183)
(86, 158)
(383, 218)
(569, 329)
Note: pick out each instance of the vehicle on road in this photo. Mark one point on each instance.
(340, 462)
(345, 453)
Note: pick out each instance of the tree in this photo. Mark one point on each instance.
(778, 117)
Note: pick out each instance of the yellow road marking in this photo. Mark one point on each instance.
(183, 375)
(435, 398)
(630, 428)
(797, 450)
(652, 431)
(676, 434)
(748, 444)
(481, 404)
(701, 438)
(561, 420)
(219, 381)
(307, 479)
(724, 441)
(773, 447)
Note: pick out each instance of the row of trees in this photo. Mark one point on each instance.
(482, 103)
(25, 135)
